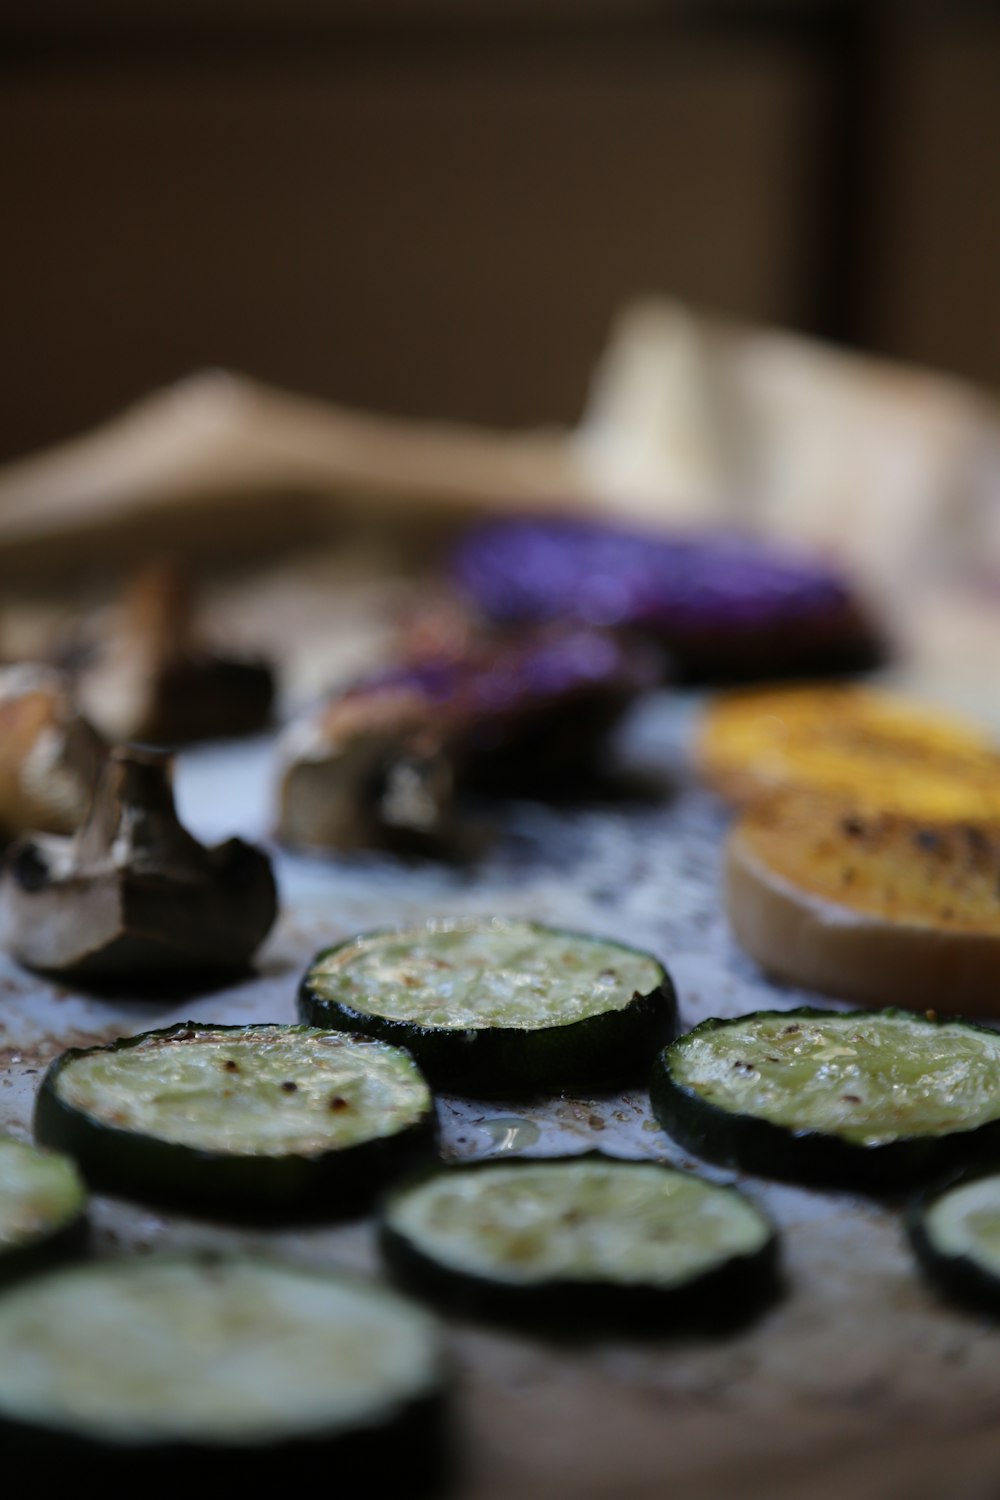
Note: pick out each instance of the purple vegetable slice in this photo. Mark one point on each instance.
(725, 604)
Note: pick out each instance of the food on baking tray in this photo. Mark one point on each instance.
(382, 764)
(43, 1205)
(173, 1374)
(870, 1099)
(954, 1230)
(132, 895)
(249, 1121)
(583, 1242)
(151, 678)
(580, 1242)
(876, 748)
(867, 906)
(498, 1007)
(726, 606)
(50, 756)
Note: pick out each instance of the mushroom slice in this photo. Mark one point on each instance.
(154, 680)
(370, 770)
(133, 896)
(381, 765)
(50, 756)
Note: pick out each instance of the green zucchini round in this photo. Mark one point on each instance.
(954, 1230)
(43, 1208)
(498, 1007)
(247, 1122)
(875, 1100)
(167, 1375)
(582, 1243)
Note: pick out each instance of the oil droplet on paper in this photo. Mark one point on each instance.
(510, 1133)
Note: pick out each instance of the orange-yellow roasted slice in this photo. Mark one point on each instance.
(874, 907)
(877, 749)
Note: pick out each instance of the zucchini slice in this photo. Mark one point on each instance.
(954, 1230)
(583, 1242)
(255, 1122)
(145, 1374)
(870, 1099)
(43, 1205)
(498, 1007)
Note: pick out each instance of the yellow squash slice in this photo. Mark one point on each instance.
(880, 751)
(873, 907)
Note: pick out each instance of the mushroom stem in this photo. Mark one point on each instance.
(133, 817)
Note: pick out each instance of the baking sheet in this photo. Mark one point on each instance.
(859, 1378)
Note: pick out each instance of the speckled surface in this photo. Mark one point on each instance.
(835, 1381)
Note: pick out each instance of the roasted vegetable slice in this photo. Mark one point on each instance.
(727, 606)
(874, 907)
(871, 1099)
(955, 1233)
(583, 1242)
(877, 750)
(43, 1205)
(133, 896)
(250, 1122)
(498, 1007)
(164, 1375)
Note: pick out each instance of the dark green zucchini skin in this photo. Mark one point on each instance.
(410, 1452)
(332, 1185)
(45, 1252)
(607, 1051)
(958, 1277)
(719, 1301)
(812, 1157)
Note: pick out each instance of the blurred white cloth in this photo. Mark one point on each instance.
(690, 421)
(895, 471)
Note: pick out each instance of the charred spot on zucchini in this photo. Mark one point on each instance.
(201, 1116)
(43, 1205)
(877, 1100)
(147, 1374)
(581, 1243)
(954, 1231)
(496, 1006)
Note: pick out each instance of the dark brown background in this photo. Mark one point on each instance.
(435, 208)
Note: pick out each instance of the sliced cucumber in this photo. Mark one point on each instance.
(582, 1241)
(43, 1206)
(245, 1121)
(955, 1234)
(873, 1099)
(498, 1007)
(162, 1371)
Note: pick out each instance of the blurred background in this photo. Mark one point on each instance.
(435, 208)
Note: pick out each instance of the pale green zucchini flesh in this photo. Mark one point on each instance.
(583, 1241)
(42, 1203)
(251, 1091)
(461, 974)
(228, 1354)
(878, 1100)
(497, 1006)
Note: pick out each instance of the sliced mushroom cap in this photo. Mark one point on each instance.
(133, 896)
